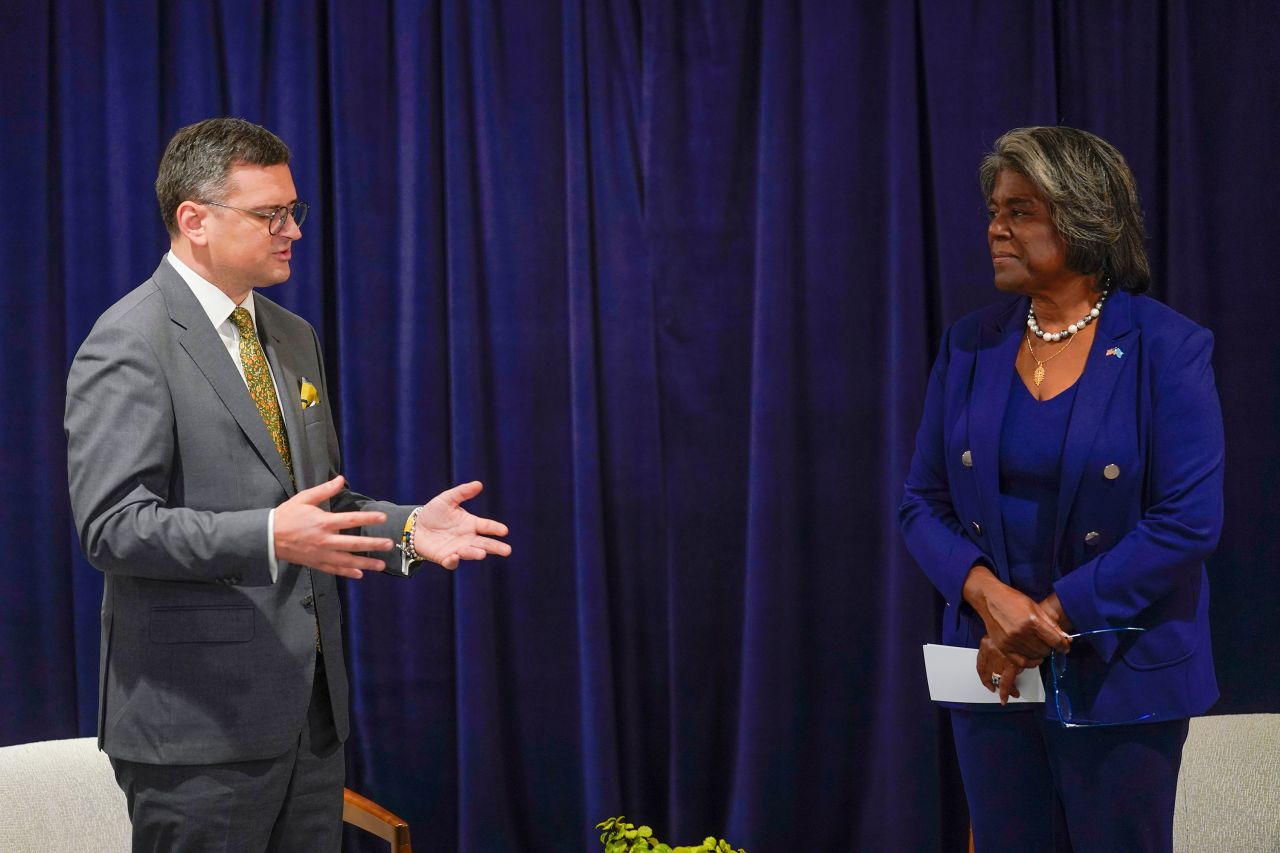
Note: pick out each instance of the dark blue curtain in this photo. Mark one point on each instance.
(668, 277)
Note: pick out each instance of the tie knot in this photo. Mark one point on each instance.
(243, 320)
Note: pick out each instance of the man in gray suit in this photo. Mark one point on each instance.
(204, 480)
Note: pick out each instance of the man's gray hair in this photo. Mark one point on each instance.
(1092, 197)
(200, 156)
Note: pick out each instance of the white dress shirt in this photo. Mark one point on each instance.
(219, 307)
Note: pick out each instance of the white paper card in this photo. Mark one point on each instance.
(953, 677)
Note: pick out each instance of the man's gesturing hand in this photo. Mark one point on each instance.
(445, 533)
(308, 536)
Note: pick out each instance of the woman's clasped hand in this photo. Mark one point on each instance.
(1020, 632)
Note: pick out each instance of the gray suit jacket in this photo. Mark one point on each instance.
(172, 475)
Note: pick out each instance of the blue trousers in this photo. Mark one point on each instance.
(1034, 786)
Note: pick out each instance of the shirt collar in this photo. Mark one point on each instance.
(214, 302)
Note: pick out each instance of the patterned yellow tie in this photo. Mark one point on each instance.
(258, 378)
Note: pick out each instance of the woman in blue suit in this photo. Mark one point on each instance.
(1065, 492)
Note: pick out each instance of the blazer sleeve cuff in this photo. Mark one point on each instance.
(248, 559)
(393, 529)
(1075, 594)
(964, 555)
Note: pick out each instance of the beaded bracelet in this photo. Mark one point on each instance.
(406, 538)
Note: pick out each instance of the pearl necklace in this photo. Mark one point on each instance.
(1054, 337)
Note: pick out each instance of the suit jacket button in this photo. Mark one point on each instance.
(1092, 537)
(1111, 471)
(977, 528)
(966, 459)
(307, 600)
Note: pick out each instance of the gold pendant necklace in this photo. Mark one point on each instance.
(1038, 376)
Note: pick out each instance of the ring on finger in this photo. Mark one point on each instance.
(995, 679)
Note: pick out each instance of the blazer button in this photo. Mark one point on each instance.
(977, 528)
(1092, 537)
(1111, 471)
(966, 459)
(307, 600)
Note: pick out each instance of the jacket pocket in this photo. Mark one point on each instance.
(1176, 629)
(313, 415)
(201, 624)
(1162, 647)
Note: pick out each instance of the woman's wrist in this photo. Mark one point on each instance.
(976, 583)
(1053, 606)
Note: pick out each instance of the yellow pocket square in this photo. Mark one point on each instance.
(309, 396)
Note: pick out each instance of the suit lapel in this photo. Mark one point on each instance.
(202, 343)
(1101, 370)
(997, 348)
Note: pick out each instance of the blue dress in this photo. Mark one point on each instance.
(1031, 440)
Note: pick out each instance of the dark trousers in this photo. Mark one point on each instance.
(289, 803)
(1034, 786)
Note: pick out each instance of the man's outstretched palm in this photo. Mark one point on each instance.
(445, 533)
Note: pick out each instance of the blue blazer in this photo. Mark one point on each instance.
(1139, 505)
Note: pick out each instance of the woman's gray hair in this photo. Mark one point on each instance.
(199, 157)
(1092, 197)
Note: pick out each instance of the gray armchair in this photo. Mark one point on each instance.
(62, 795)
(1229, 786)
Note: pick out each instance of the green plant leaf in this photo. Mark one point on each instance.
(620, 836)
